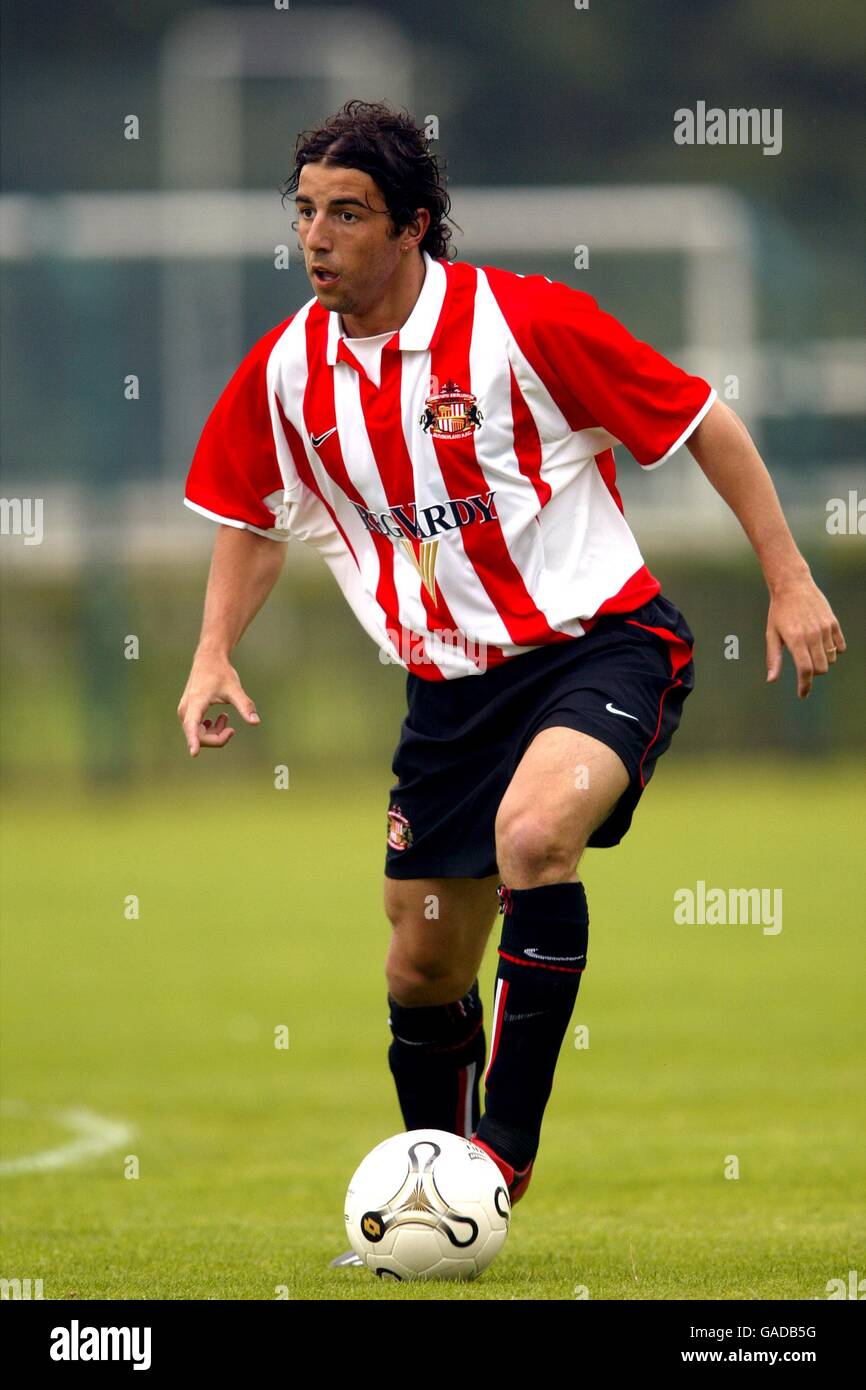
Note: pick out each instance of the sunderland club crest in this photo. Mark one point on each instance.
(451, 413)
(399, 829)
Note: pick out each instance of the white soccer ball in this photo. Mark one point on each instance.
(427, 1204)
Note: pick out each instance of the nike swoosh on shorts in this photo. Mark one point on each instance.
(623, 712)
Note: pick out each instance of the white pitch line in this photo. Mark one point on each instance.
(94, 1135)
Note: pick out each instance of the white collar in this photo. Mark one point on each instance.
(418, 331)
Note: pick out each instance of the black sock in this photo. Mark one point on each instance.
(436, 1059)
(542, 953)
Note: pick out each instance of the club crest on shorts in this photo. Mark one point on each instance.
(399, 829)
(451, 413)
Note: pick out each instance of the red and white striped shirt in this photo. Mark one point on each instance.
(466, 502)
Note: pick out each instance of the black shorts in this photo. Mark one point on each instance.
(461, 739)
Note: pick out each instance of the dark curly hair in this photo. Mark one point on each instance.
(391, 147)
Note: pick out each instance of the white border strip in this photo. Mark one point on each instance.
(94, 1136)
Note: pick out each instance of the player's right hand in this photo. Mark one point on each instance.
(212, 682)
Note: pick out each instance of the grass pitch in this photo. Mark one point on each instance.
(260, 909)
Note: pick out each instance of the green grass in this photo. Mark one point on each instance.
(260, 908)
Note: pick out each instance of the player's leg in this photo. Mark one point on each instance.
(565, 786)
(439, 930)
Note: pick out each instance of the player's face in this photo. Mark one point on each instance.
(345, 228)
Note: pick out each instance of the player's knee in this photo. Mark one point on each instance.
(417, 967)
(415, 981)
(530, 851)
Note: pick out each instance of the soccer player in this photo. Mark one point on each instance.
(443, 434)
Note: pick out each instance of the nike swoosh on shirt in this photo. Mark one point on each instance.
(614, 710)
(317, 439)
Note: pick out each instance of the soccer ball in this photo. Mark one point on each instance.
(427, 1204)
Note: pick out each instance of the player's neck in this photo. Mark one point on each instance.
(395, 306)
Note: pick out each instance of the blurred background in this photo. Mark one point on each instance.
(143, 152)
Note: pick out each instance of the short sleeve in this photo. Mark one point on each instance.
(600, 375)
(235, 475)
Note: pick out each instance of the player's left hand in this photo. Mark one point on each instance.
(801, 619)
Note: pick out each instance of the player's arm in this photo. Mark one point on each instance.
(244, 569)
(800, 617)
(598, 373)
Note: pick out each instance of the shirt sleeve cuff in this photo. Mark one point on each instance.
(273, 534)
(648, 467)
